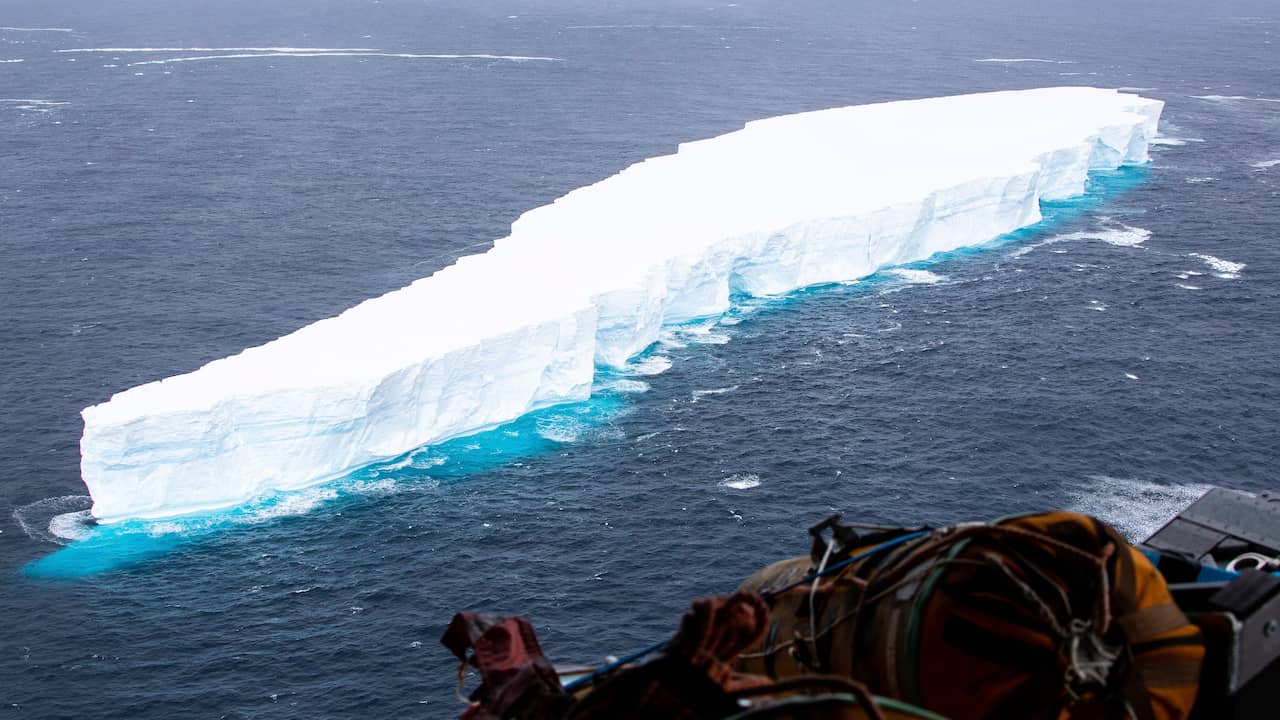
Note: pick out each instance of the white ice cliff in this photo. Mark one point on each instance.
(590, 279)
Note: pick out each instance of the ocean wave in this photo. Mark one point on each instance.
(917, 277)
(741, 481)
(1173, 141)
(1224, 269)
(1234, 98)
(1123, 236)
(424, 56)
(36, 29)
(59, 520)
(651, 365)
(1026, 60)
(699, 394)
(115, 50)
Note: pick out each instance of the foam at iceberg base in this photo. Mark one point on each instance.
(590, 279)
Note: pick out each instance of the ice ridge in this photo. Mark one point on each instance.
(591, 279)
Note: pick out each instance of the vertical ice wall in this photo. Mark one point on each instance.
(590, 279)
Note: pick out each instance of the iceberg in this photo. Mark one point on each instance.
(589, 281)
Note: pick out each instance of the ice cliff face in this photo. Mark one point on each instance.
(784, 203)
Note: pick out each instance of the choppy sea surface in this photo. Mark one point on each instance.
(181, 180)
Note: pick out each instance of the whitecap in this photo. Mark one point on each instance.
(1200, 180)
(37, 29)
(370, 487)
(630, 27)
(293, 503)
(58, 520)
(651, 365)
(1184, 286)
(33, 102)
(626, 386)
(917, 277)
(699, 394)
(1123, 236)
(1264, 164)
(427, 56)
(160, 529)
(14, 60)
(710, 338)
(1026, 60)
(71, 526)
(741, 481)
(213, 49)
(559, 429)
(1136, 508)
(1224, 269)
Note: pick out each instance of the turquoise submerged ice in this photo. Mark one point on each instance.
(590, 280)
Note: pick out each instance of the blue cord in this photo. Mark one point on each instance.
(847, 562)
(590, 677)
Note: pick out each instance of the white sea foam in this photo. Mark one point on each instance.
(37, 29)
(623, 385)
(1224, 269)
(33, 102)
(1234, 98)
(116, 50)
(293, 503)
(741, 481)
(1123, 236)
(699, 394)
(1134, 507)
(1264, 164)
(630, 27)
(1184, 286)
(424, 56)
(72, 526)
(1026, 60)
(651, 365)
(560, 428)
(13, 60)
(785, 203)
(917, 277)
(1174, 142)
(58, 520)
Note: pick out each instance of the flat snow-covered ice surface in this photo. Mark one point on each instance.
(590, 279)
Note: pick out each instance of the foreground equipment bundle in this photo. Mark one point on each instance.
(1050, 615)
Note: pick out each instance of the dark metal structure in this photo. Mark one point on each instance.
(1200, 552)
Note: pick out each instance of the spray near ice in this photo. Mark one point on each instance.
(591, 279)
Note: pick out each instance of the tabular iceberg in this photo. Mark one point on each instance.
(590, 279)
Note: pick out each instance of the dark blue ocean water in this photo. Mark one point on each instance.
(154, 217)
